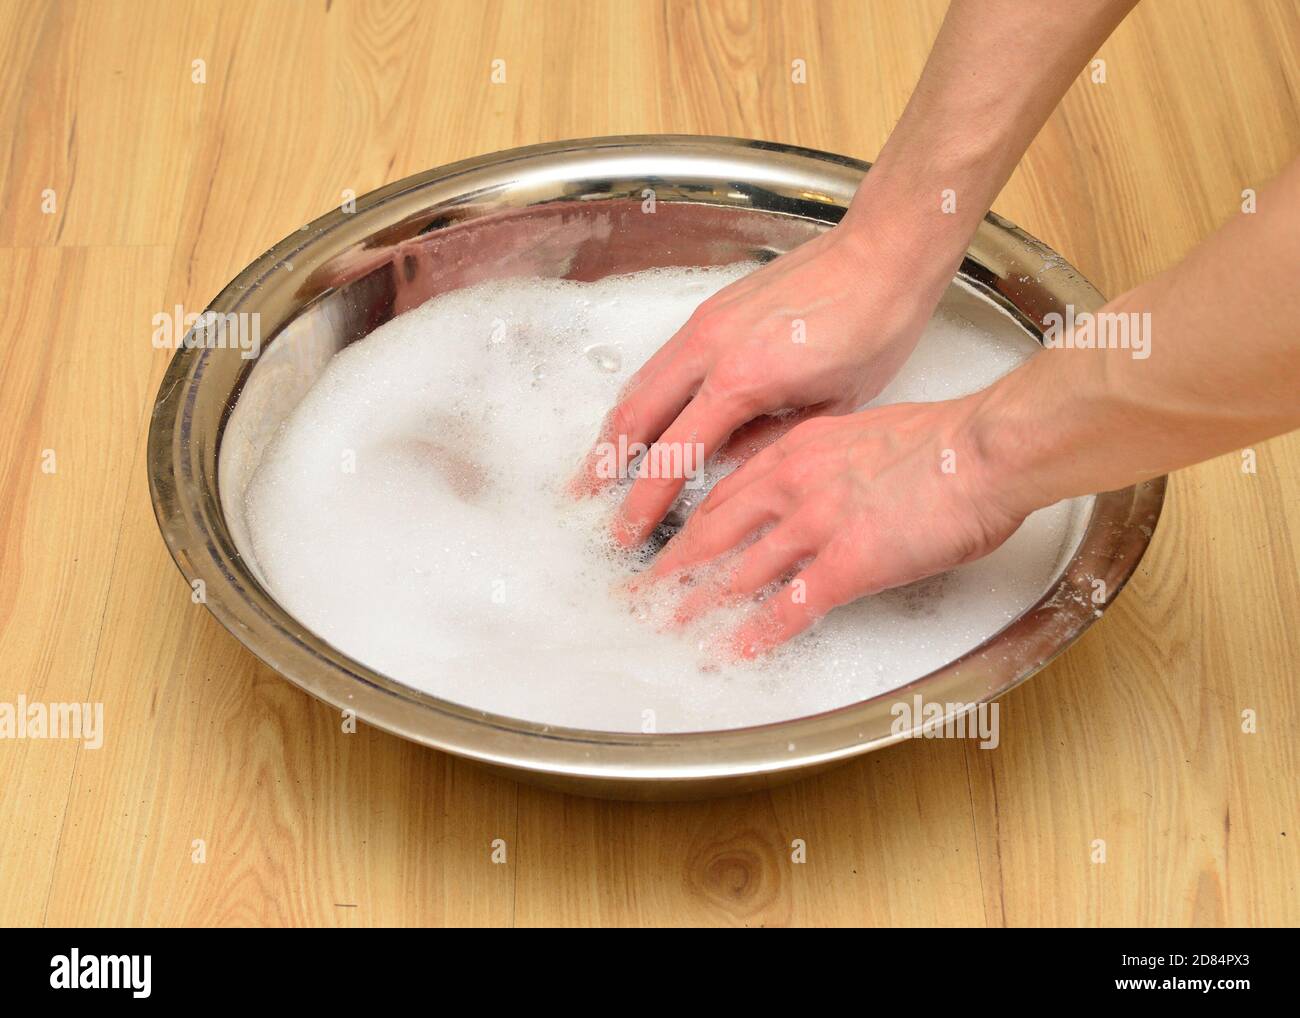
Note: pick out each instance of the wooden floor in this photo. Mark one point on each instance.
(163, 188)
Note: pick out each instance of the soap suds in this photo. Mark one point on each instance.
(413, 512)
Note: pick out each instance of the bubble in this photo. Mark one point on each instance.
(605, 356)
(452, 557)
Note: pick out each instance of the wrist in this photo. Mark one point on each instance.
(1017, 452)
(917, 219)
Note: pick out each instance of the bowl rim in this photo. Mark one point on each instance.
(201, 547)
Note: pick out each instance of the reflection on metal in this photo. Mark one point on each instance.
(573, 210)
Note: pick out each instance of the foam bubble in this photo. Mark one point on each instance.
(412, 511)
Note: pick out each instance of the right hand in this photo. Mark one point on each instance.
(854, 505)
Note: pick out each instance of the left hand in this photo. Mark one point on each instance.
(858, 503)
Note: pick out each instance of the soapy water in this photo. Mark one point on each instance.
(413, 511)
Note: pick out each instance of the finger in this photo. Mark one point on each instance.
(796, 606)
(761, 432)
(640, 417)
(659, 359)
(681, 450)
(756, 469)
(765, 460)
(706, 537)
(772, 556)
(699, 601)
(768, 559)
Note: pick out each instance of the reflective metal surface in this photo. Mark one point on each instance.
(573, 210)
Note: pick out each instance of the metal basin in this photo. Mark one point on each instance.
(574, 210)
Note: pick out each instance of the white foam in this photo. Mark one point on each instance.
(412, 512)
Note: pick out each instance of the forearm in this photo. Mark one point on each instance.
(996, 71)
(1222, 371)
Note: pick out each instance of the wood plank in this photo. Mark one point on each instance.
(165, 188)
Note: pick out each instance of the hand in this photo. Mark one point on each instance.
(857, 504)
(821, 329)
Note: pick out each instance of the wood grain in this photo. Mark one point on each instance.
(165, 188)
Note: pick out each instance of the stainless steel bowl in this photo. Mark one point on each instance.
(574, 210)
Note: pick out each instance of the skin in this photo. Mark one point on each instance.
(864, 500)
(853, 503)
